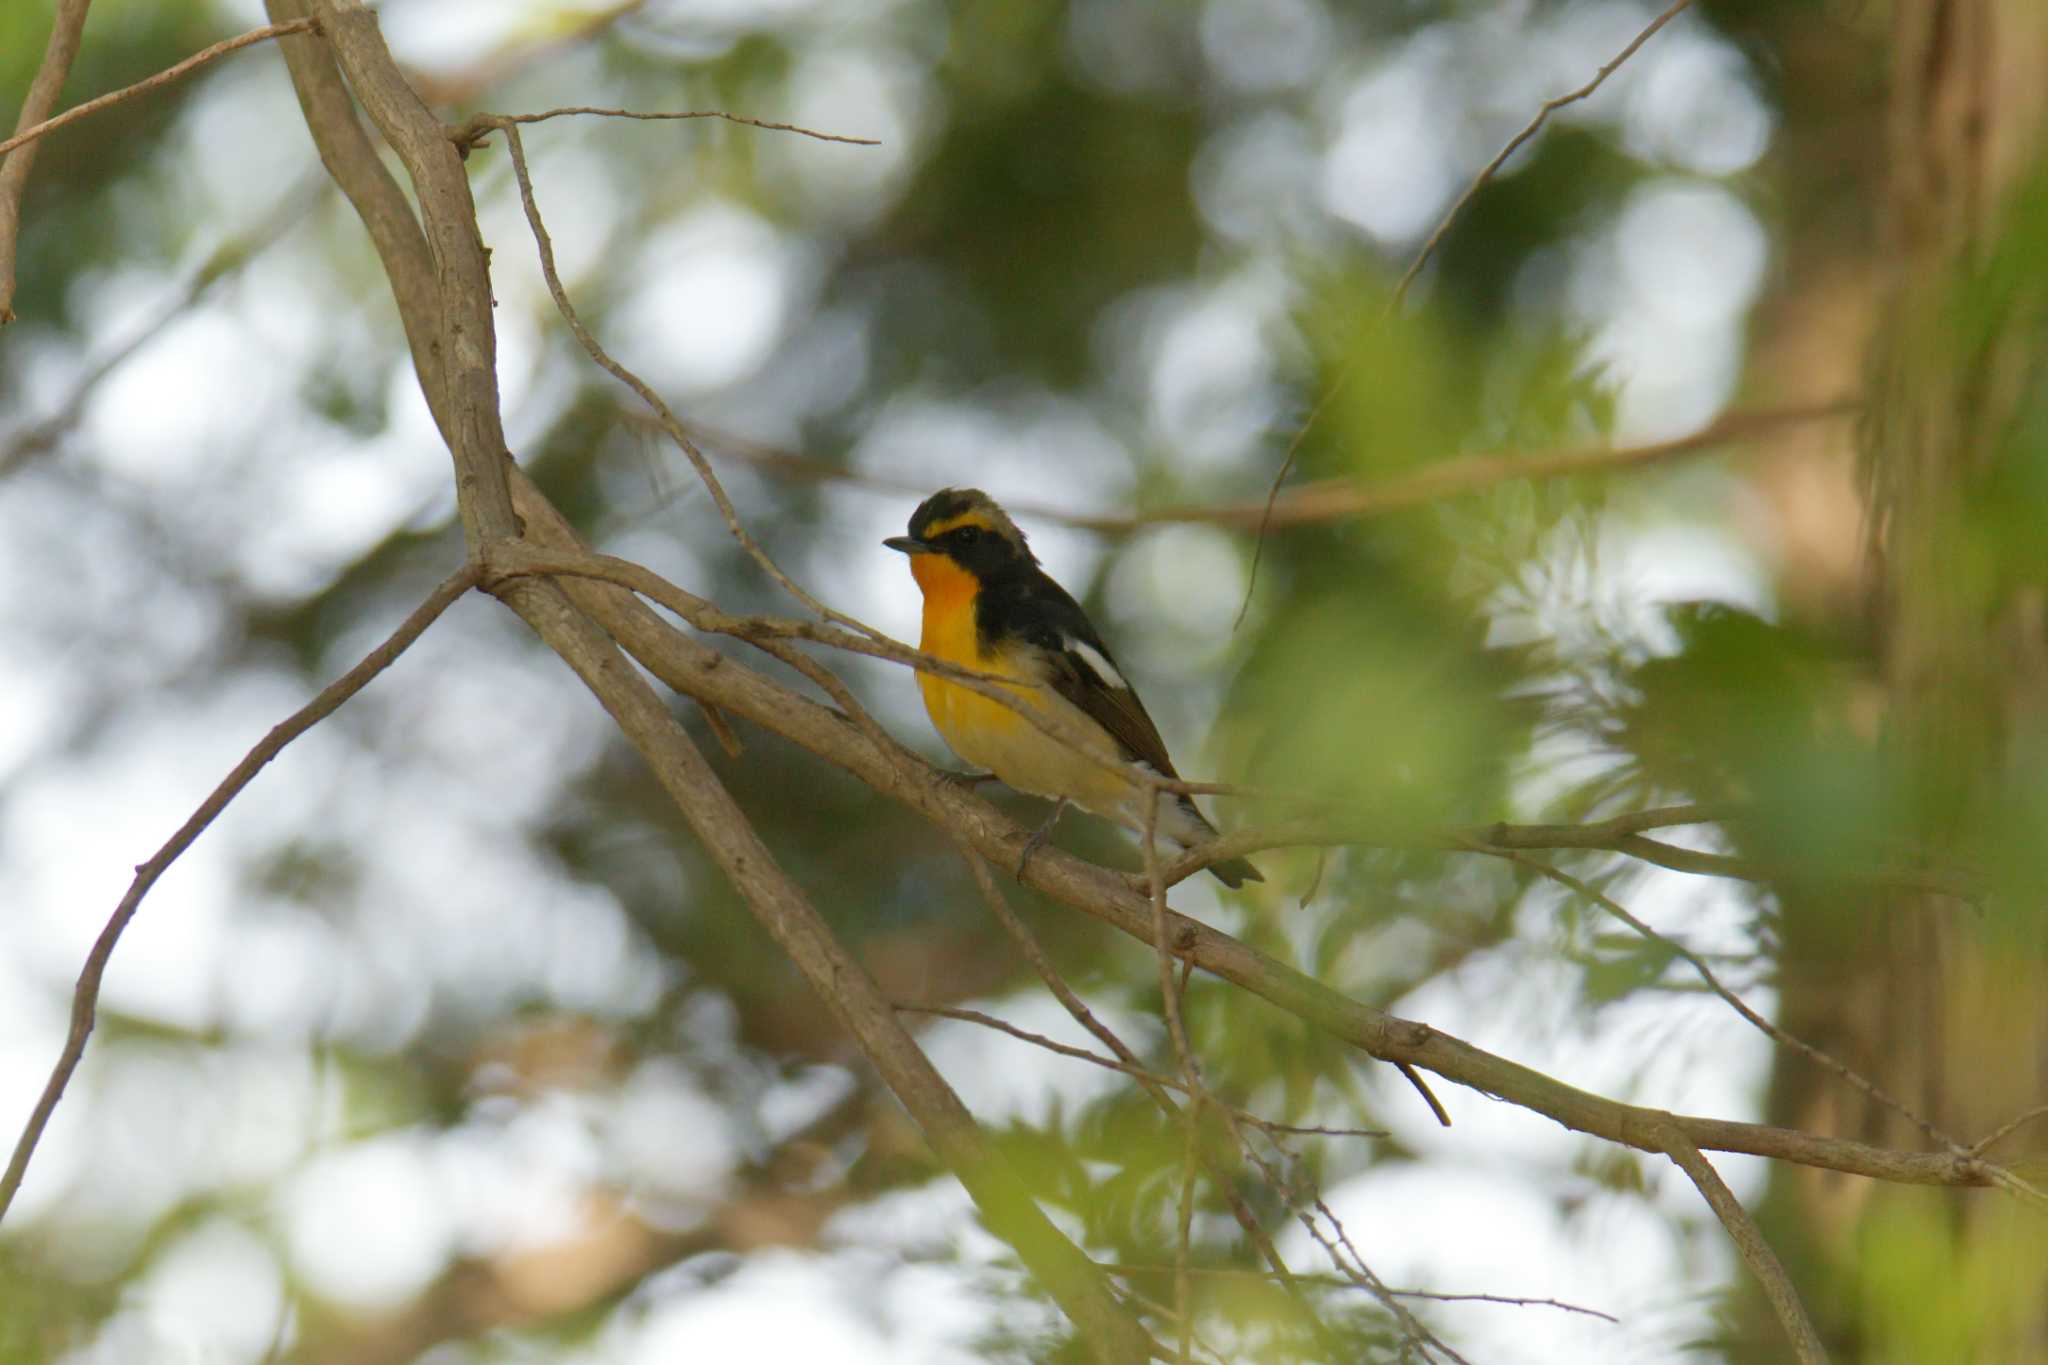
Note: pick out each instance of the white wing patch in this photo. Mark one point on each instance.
(1098, 662)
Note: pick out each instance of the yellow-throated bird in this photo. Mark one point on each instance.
(989, 607)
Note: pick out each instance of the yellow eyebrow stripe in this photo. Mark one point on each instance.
(939, 528)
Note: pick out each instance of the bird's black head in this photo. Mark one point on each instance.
(966, 526)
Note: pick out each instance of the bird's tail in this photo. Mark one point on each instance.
(1185, 824)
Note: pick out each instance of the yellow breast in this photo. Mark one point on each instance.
(990, 735)
(964, 718)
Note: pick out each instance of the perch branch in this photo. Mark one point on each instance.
(66, 29)
(85, 997)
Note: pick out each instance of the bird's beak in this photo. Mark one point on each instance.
(907, 545)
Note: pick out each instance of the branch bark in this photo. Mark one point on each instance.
(25, 136)
(446, 300)
(1755, 1251)
(698, 671)
(65, 32)
(85, 997)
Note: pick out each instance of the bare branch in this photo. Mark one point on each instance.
(1135, 1070)
(66, 29)
(511, 59)
(1735, 1002)
(453, 307)
(1618, 835)
(164, 77)
(1756, 1252)
(1335, 499)
(227, 258)
(1344, 1282)
(764, 632)
(458, 300)
(698, 671)
(1535, 125)
(1328, 499)
(479, 126)
(1251, 577)
(667, 418)
(85, 998)
(387, 216)
(2007, 1129)
(1157, 1087)
(1266, 516)
(1191, 1074)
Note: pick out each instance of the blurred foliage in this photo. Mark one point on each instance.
(1108, 258)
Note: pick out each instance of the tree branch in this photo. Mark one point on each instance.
(698, 671)
(467, 336)
(1749, 1241)
(1344, 1282)
(85, 997)
(164, 77)
(1400, 293)
(664, 415)
(1338, 498)
(479, 126)
(1535, 125)
(1818, 1056)
(346, 151)
(66, 29)
(231, 255)
(458, 296)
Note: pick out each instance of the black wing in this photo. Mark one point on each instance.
(1079, 666)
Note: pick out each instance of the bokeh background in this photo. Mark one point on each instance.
(448, 1042)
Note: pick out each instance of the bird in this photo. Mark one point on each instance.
(988, 606)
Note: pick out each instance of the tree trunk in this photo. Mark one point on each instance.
(1942, 1007)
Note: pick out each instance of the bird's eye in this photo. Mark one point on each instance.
(967, 535)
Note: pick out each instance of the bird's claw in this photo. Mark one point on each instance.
(1039, 836)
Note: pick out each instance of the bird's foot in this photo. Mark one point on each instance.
(1037, 840)
(967, 780)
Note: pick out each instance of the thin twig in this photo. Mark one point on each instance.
(1335, 499)
(480, 126)
(522, 559)
(1176, 1029)
(1535, 125)
(85, 998)
(1251, 578)
(454, 310)
(1355, 1270)
(1156, 1086)
(1877, 1094)
(164, 77)
(1618, 835)
(1755, 1251)
(669, 422)
(225, 259)
(1133, 1069)
(1345, 1282)
(2006, 1129)
(67, 27)
(1415, 268)
(1198, 1095)
(496, 67)
(1322, 501)
(696, 670)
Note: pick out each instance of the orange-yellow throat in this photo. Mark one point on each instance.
(989, 734)
(949, 632)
